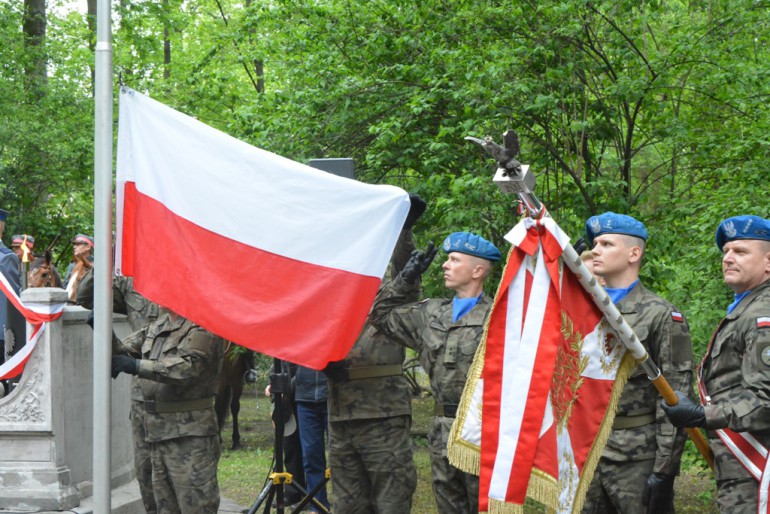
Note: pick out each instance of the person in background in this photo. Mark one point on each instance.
(82, 248)
(10, 268)
(310, 396)
(19, 242)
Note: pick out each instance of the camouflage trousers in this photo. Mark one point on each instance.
(184, 475)
(142, 460)
(455, 490)
(617, 487)
(737, 495)
(372, 465)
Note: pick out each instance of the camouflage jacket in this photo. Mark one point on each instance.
(371, 398)
(180, 362)
(446, 349)
(125, 300)
(665, 335)
(736, 376)
(381, 397)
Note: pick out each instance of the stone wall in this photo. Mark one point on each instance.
(46, 420)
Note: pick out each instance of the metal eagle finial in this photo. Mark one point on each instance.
(504, 155)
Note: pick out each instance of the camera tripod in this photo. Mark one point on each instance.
(279, 479)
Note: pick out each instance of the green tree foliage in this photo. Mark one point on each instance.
(46, 133)
(653, 108)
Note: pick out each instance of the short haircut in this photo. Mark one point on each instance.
(635, 241)
(485, 263)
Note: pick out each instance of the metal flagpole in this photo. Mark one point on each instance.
(103, 258)
(513, 177)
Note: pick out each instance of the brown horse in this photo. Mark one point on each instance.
(42, 272)
(234, 367)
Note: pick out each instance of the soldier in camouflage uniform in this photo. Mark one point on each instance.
(370, 412)
(370, 418)
(637, 469)
(446, 333)
(140, 312)
(180, 363)
(734, 376)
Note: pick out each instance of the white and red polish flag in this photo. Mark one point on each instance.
(551, 373)
(269, 253)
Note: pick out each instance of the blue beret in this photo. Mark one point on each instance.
(611, 223)
(742, 227)
(472, 244)
(4, 215)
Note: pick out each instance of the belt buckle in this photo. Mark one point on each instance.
(150, 407)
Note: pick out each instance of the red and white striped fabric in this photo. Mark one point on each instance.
(261, 250)
(37, 315)
(549, 378)
(752, 455)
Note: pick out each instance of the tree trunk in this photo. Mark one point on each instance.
(91, 19)
(34, 25)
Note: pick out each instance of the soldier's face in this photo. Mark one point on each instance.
(745, 264)
(81, 249)
(611, 255)
(458, 270)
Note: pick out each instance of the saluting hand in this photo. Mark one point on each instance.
(418, 264)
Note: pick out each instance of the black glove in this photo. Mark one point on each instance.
(658, 495)
(415, 210)
(336, 371)
(580, 246)
(418, 263)
(685, 413)
(90, 320)
(125, 364)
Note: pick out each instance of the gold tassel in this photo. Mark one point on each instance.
(462, 454)
(621, 377)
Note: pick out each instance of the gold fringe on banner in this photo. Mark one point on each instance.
(462, 454)
(621, 377)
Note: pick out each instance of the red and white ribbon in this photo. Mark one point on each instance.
(38, 315)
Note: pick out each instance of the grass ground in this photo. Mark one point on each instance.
(243, 473)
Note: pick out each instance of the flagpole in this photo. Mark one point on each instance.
(103, 258)
(513, 177)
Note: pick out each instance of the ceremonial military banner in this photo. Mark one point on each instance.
(540, 399)
(277, 256)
